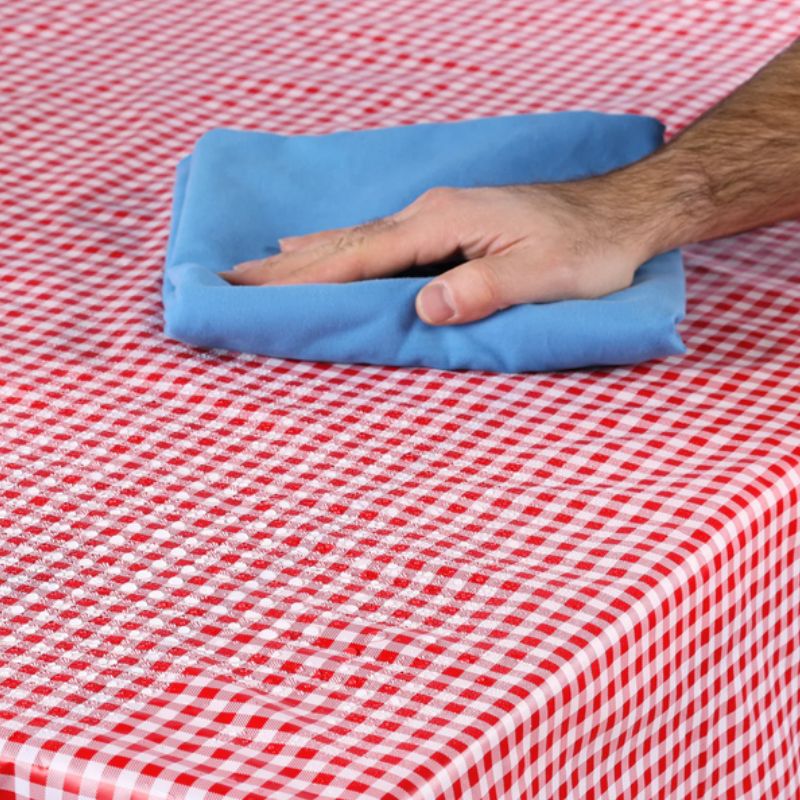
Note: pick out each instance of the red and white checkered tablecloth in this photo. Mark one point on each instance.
(228, 576)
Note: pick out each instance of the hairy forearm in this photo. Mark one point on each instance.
(735, 168)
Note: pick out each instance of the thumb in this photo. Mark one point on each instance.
(478, 288)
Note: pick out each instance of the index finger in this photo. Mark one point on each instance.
(370, 250)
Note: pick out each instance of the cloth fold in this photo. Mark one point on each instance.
(239, 191)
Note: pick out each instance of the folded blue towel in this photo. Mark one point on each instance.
(239, 191)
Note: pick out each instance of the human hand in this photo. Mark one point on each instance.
(521, 243)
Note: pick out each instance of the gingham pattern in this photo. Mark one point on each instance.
(242, 577)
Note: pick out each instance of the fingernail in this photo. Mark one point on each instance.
(436, 303)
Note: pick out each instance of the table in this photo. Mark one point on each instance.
(232, 576)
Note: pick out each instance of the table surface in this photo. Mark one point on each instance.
(225, 575)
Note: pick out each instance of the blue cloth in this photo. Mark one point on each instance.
(239, 191)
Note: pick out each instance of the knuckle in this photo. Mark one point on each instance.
(344, 241)
(438, 196)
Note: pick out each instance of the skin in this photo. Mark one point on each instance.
(735, 168)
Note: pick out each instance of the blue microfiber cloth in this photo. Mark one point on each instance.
(239, 191)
